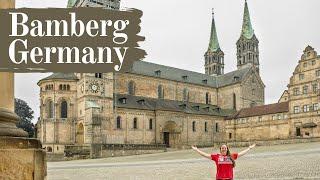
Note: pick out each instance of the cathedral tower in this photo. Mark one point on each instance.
(214, 57)
(247, 45)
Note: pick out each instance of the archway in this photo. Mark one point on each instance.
(80, 134)
(171, 134)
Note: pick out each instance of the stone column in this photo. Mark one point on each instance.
(8, 118)
(20, 157)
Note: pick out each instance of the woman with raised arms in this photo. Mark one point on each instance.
(225, 161)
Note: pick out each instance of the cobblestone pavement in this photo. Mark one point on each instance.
(294, 161)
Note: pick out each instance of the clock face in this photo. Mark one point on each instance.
(94, 87)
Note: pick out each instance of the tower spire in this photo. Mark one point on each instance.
(214, 57)
(213, 43)
(248, 44)
(247, 30)
(71, 3)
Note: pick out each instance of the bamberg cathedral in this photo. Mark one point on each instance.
(157, 104)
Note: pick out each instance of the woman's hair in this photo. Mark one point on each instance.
(229, 155)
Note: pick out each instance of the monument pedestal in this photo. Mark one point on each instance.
(22, 158)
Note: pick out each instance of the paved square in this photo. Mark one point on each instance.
(293, 161)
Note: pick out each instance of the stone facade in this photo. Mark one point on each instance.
(299, 119)
(304, 96)
(95, 103)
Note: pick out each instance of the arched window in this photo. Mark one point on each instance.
(208, 98)
(160, 92)
(49, 149)
(50, 109)
(185, 94)
(206, 126)
(118, 122)
(135, 123)
(64, 109)
(150, 124)
(131, 88)
(68, 87)
(60, 87)
(64, 87)
(194, 126)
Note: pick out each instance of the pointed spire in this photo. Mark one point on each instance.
(71, 3)
(247, 30)
(214, 43)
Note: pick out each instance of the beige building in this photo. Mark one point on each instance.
(151, 103)
(296, 115)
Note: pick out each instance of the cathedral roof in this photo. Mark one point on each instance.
(233, 77)
(247, 30)
(213, 43)
(67, 76)
(171, 73)
(136, 102)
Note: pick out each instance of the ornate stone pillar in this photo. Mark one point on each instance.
(20, 157)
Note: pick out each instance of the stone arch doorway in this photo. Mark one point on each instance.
(171, 134)
(80, 134)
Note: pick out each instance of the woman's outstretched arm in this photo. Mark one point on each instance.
(201, 152)
(246, 150)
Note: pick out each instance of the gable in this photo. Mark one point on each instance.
(253, 75)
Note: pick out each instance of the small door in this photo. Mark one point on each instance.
(166, 139)
(298, 132)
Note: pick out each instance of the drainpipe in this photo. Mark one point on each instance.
(155, 126)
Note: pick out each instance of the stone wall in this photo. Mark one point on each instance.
(269, 142)
(264, 127)
(148, 87)
(252, 91)
(108, 150)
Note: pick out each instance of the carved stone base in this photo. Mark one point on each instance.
(22, 158)
(8, 126)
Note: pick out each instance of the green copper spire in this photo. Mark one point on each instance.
(214, 43)
(247, 30)
(71, 3)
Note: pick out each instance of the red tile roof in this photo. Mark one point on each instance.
(262, 110)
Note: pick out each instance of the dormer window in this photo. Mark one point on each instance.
(185, 78)
(141, 101)
(236, 78)
(158, 73)
(197, 108)
(205, 81)
(218, 109)
(183, 106)
(123, 100)
(206, 109)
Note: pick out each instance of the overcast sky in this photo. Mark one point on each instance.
(177, 34)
